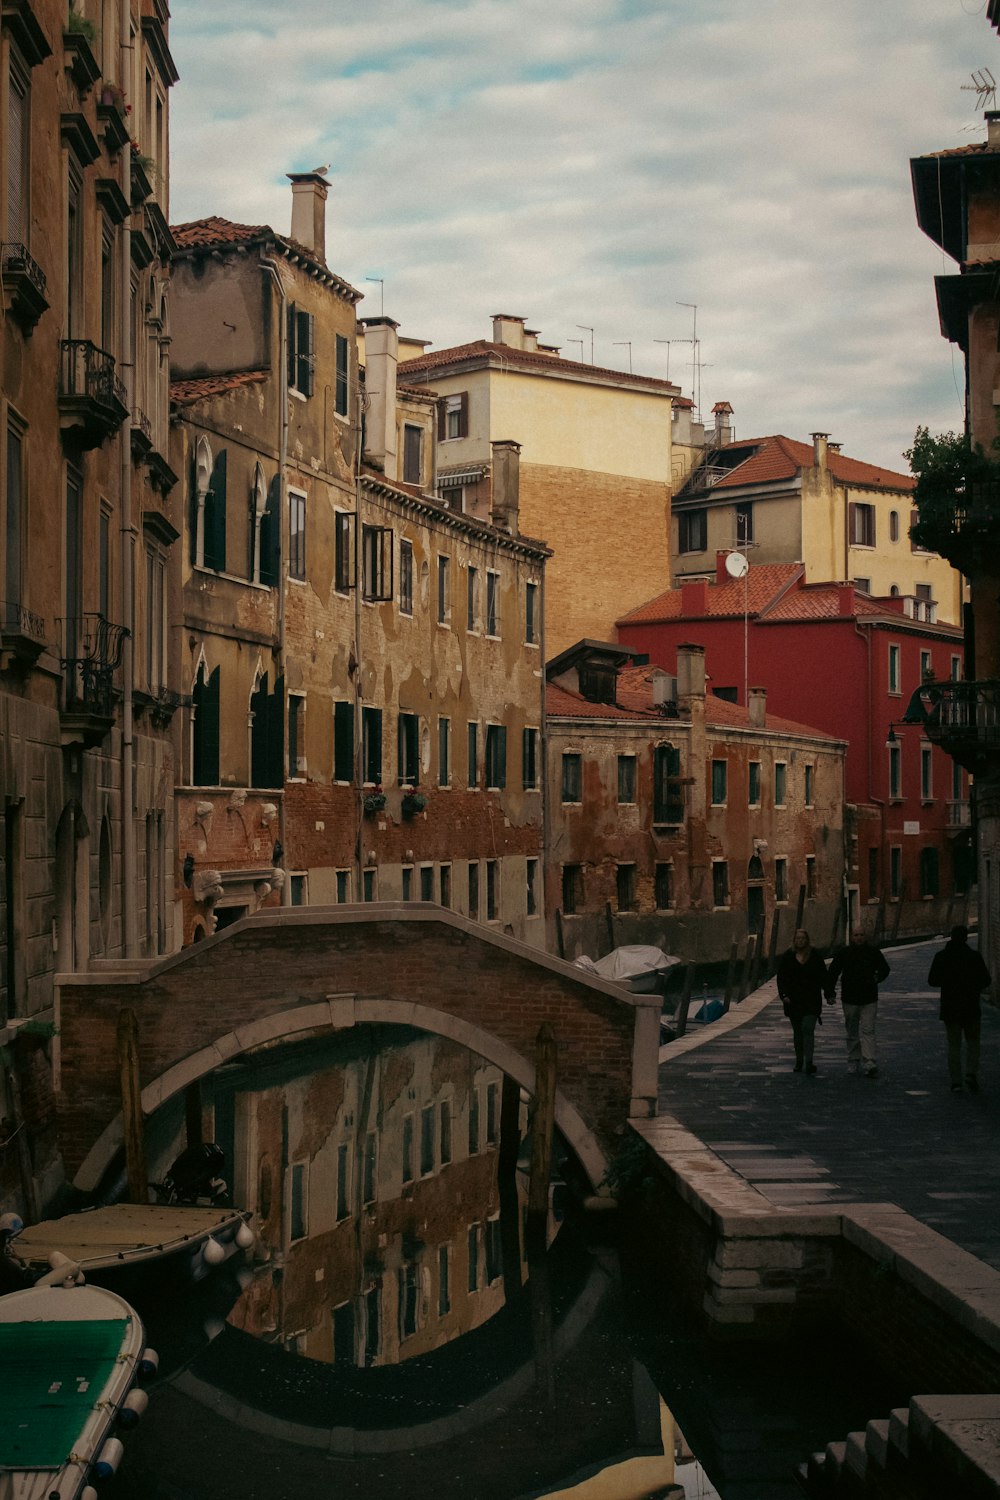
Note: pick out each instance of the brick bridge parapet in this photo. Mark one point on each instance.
(290, 970)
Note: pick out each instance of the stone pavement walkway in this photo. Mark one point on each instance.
(902, 1138)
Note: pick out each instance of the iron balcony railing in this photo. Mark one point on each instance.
(959, 815)
(89, 372)
(962, 717)
(16, 261)
(93, 653)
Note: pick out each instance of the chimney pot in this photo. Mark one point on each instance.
(820, 440)
(690, 671)
(993, 128)
(309, 190)
(757, 707)
(506, 481)
(381, 358)
(694, 597)
(845, 598)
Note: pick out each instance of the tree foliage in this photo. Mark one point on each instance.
(957, 496)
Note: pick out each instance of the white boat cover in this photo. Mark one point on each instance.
(628, 962)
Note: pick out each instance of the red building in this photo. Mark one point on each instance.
(847, 663)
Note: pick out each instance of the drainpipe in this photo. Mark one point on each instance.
(129, 918)
(359, 770)
(544, 759)
(867, 637)
(271, 267)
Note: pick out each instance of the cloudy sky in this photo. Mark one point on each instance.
(600, 162)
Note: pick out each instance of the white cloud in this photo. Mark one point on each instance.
(599, 161)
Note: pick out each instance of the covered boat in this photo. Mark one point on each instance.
(640, 967)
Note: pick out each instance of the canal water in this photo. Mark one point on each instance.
(389, 1336)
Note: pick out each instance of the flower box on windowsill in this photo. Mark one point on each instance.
(374, 803)
(413, 802)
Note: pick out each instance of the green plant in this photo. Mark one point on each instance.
(81, 25)
(957, 496)
(630, 1169)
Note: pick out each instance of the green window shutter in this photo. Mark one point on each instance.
(215, 516)
(292, 341)
(343, 742)
(305, 355)
(259, 735)
(341, 394)
(270, 535)
(206, 730)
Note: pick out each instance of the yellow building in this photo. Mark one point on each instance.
(787, 501)
(595, 463)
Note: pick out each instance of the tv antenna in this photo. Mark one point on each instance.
(628, 345)
(668, 342)
(580, 342)
(984, 86)
(380, 283)
(585, 328)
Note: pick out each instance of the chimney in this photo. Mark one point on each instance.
(819, 449)
(309, 190)
(530, 340)
(690, 671)
(834, 447)
(845, 598)
(757, 707)
(694, 597)
(506, 485)
(508, 330)
(723, 413)
(381, 358)
(992, 118)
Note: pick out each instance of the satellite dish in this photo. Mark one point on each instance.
(736, 565)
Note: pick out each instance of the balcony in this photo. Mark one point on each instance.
(963, 718)
(142, 433)
(22, 636)
(23, 285)
(959, 815)
(93, 647)
(92, 400)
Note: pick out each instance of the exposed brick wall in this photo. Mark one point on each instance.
(252, 973)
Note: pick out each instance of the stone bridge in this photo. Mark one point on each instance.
(289, 971)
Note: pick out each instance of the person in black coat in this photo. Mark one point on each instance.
(802, 981)
(860, 967)
(962, 976)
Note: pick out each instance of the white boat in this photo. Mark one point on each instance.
(128, 1236)
(69, 1359)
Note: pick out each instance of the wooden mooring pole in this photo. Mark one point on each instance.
(542, 1125)
(131, 1091)
(734, 954)
(684, 1004)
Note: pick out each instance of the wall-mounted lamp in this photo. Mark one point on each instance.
(891, 739)
(188, 869)
(277, 852)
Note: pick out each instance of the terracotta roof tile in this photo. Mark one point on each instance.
(566, 705)
(720, 712)
(820, 602)
(974, 148)
(764, 583)
(184, 392)
(530, 360)
(779, 457)
(216, 231)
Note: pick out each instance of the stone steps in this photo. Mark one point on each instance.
(941, 1446)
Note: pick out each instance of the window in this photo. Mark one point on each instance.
(895, 773)
(929, 872)
(108, 271)
(472, 599)
(863, 585)
(209, 530)
(531, 614)
(781, 880)
(492, 890)
(668, 798)
(427, 882)
(444, 590)
(719, 782)
(343, 1165)
(444, 1294)
(343, 741)
(474, 890)
(296, 736)
(926, 773)
(492, 603)
(915, 546)
(15, 507)
(472, 754)
(103, 548)
(205, 728)
(376, 563)
(371, 745)
(861, 524)
(663, 886)
(894, 526)
(406, 578)
(407, 882)
(370, 1167)
(492, 1114)
(296, 534)
(413, 450)
(895, 872)
(474, 1120)
(625, 887)
(18, 160)
(873, 872)
(494, 1253)
(744, 524)
(453, 416)
(529, 759)
(753, 783)
(343, 887)
(956, 669)
(572, 888)
(496, 756)
(473, 1249)
(957, 785)
(926, 670)
(444, 752)
(444, 1131)
(301, 352)
(343, 551)
(626, 778)
(572, 777)
(408, 749)
(720, 882)
(156, 620)
(780, 780)
(444, 885)
(341, 391)
(74, 252)
(299, 890)
(894, 669)
(810, 876)
(531, 886)
(408, 1277)
(427, 1140)
(807, 792)
(298, 1220)
(692, 530)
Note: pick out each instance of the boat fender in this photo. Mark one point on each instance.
(132, 1408)
(213, 1327)
(109, 1458)
(88, 1493)
(148, 1364)
(213, 1252)
(64, 1272)
(244, 1236)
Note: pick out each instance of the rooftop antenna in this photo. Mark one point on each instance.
(984, 86)
(628, 344)
(584, 328)
(695, 381)
(668, 343)
(381, 287)
(577, 341)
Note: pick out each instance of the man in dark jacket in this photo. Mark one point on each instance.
(860, 967)
(962, 976)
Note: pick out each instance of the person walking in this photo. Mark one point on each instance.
(860, 967)
(962, 976)
(801, 983)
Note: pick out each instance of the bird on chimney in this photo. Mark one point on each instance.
(320, 171)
